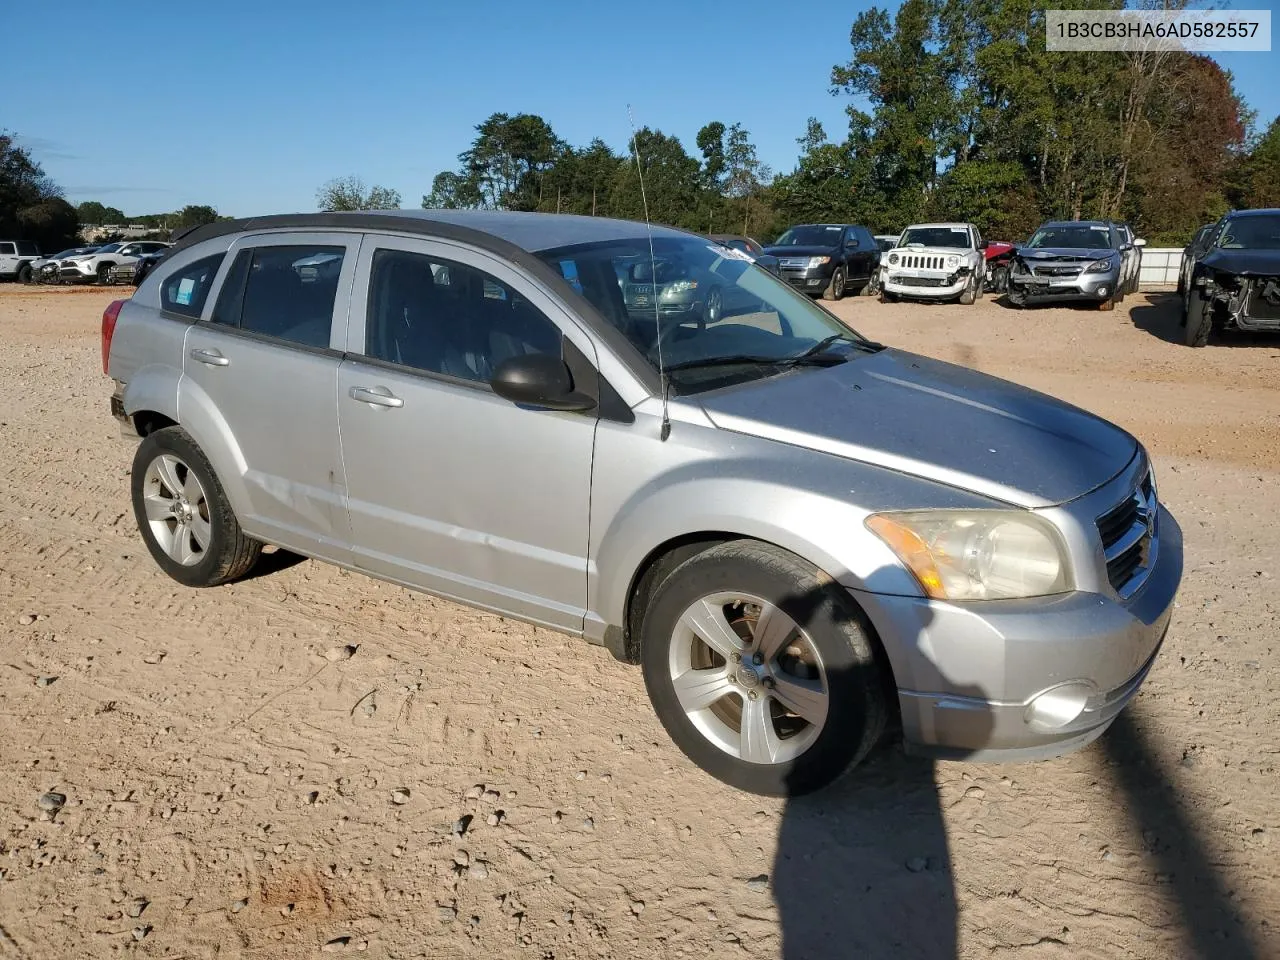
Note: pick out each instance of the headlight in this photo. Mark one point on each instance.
(953, 262)
(893, 259)
(977, 554)
(1100, 266)
(681, 286)
(818, 261)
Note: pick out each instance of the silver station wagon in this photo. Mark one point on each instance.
(804, 538)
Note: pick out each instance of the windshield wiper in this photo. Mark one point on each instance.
(810, 356)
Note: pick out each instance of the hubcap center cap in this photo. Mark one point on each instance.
(748, 677)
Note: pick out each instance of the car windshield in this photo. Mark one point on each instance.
(935, 236)
(1077, 236)
(67, 253)
(1252, 233)
(886, 243)
(109, 248)
(710, 308)
(818, 235)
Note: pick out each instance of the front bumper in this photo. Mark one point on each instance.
(947, 285)
(1086, 286)
(812, 282)
(973, 677)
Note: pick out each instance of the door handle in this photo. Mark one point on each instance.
(378, 396)
(212, 357)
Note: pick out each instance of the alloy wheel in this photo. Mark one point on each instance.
(177, 509)
(748, 678)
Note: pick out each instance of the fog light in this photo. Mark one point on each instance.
(1055, 708)
(1102, 291)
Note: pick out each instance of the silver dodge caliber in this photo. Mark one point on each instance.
(803, 537)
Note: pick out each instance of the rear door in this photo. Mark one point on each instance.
(452, 488)
(263, 367)
(8, 258)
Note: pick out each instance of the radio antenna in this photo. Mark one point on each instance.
(663, 381)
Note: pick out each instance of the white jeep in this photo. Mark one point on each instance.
(935, 261)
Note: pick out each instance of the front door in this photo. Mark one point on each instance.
(451, 488)
(265, 362)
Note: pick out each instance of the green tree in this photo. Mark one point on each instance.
(23, 184)
(92, 213)
(1256, 180)
(452, 191)
(710, 141)
(52, 223)
(672, 182)
(508, 160)
(350, 193)
(197, 215)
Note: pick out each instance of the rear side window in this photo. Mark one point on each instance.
(283, 292)
(27, 249)
(185, 290)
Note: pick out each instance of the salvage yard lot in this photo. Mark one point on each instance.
(240, 783)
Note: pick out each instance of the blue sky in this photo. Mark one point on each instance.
(251, 106)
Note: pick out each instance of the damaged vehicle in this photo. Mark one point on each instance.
(1075, 260)
(936, 261)
(802, 537)
(1235, 285)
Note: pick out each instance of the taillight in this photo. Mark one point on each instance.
(109, 317)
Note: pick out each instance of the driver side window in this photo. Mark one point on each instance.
(443, 317)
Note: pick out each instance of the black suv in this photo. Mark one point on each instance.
(831, 259)
(1235, 283)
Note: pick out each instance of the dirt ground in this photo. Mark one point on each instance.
(468, 786)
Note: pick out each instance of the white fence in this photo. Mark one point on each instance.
(1160, 266)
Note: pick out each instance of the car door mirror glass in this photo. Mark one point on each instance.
(538, 380)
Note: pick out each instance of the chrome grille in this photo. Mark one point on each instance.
(793, 263)
(919, 261)
(1128, 532)
(1056, 271)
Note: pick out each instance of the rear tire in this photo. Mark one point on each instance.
(835, 289)
(183, 513)
(816, 655)
(1199, 320)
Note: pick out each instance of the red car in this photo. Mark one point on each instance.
(999, 254)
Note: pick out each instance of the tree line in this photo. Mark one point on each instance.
(969, 118)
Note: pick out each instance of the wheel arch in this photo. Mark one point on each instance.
(667, 556)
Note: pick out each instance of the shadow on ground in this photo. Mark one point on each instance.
(1211, 922)
(1161, 316)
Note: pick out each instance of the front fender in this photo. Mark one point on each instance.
(826, 531)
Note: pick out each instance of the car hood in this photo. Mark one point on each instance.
(1245, 263)
(1064, 253)
(801, 251)
(933, 420)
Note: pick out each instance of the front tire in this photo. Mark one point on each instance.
(104, 274)
(970, 293)
(1199, 320)
(183, 513)
(24, 273)
(835, 289)
(761, 669)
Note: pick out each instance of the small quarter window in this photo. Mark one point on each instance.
(185, 290)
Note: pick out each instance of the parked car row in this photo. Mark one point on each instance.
(113, 262)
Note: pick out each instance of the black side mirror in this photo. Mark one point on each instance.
(538, 380)
(983, 244)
